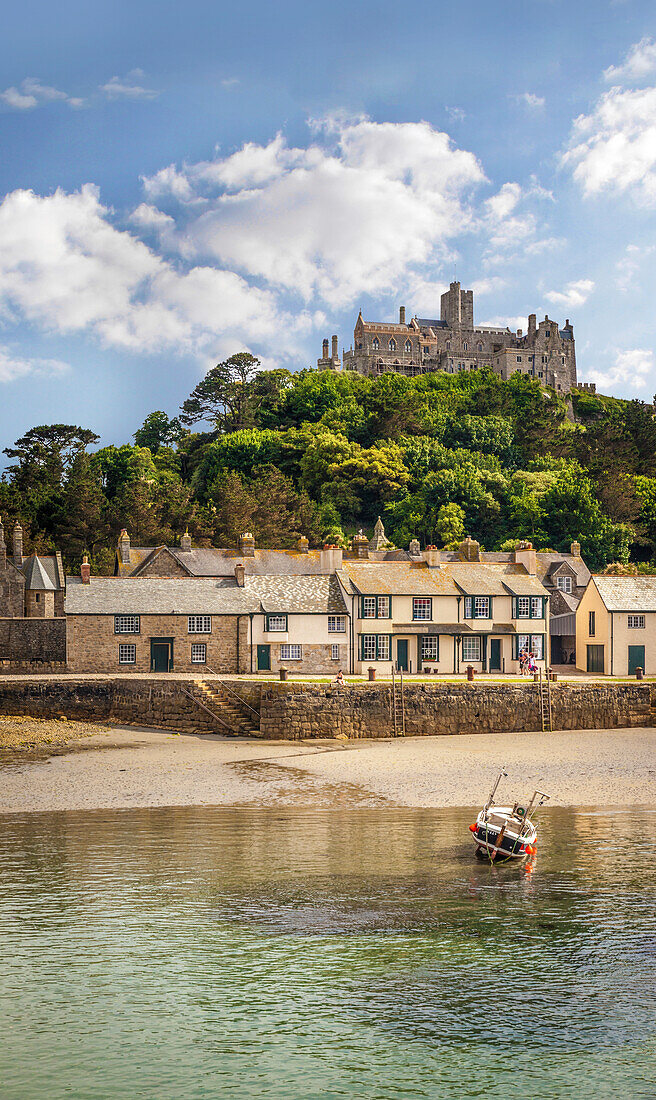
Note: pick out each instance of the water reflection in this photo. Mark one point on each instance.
(197, 953)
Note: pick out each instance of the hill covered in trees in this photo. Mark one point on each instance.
(323, 453)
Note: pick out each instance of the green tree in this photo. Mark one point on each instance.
(157, 431)
(224, 397)
(450, 525)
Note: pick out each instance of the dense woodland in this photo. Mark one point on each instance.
(323, 454)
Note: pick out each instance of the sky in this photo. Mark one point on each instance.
(179, 182)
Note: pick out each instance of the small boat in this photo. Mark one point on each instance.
(506, 832)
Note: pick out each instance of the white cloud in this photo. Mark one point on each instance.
(353, 212)
(530, 100)
(614, 147)
(13, 366)
(631, 263)
(633, 368)
(455, 114)
(639, 63)
(229, 82)
(150, 218)
(33, 93)
(128, 87)
(65, 268)
(575, 294)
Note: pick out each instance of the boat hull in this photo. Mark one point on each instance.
(502, 841)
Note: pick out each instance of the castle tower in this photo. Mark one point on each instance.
(457, 307)
(328, 360)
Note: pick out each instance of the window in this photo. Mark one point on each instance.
(523, 607)
(564, 583)
(519, 358)
(425, 351)
(368, 607)
(291, 653)
(198, 653)
(334, 653)
(536, 607)
(392, 345)
(448, 345)
(375, 647)
(480, 347)
(127, 654)
(276, 622)
(471, 649)
(469, 603)
(591, 624)
(376, 344)
(529, 643)
(548, 333)
(465, 346)
(430, 647)
(482, 607)
(408, 347)
(636, 622)
(383, 607)
(336, 624)
(126, 624)
(375, 607)
(537, 646)
(199, 624)
(422, 608)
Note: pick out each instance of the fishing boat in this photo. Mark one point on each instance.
(502, 833)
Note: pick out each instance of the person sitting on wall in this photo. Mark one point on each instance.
(339, 679)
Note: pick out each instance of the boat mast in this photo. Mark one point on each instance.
(490, 800)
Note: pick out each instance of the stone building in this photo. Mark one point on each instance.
(31, 587)
(453, 343)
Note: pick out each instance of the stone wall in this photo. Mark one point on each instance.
(296, 711)
(32, 644)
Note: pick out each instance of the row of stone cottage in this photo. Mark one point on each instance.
(189, 609)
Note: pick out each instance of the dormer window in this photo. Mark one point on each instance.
(564, 584)
(376, 343)
(392, 345)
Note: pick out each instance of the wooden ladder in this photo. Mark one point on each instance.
(398, 703)
(546, 716)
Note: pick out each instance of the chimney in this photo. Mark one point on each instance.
(124, 548)
(247, 545)
(85, 570)
(185, 543)
(240, 573)
(432, 557)
(401, 315)
(360, 543)
(470, 549)
(576, 549)
(3, 547)
(532, 325)
(303, 545)
(335, 348)
(326, 349)
(525, 555)
(414, 548)
(18, 545)
(331, 559)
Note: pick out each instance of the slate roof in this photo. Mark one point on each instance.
(297, 594)
(450, 579)
(41, 573)
(627, 593)
(218, 562)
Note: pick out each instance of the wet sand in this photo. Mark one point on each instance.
(123, 768)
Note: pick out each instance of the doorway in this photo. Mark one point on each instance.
(595, 658)
(495, 654)
(402, 654)
(636, 658)
(161, 654)
(263, 658)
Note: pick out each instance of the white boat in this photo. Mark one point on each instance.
(506, 832)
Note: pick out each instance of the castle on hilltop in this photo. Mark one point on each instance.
(453, 344)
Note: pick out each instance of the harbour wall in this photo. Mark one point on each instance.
(298, 711)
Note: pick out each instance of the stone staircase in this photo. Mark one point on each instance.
(233, 716)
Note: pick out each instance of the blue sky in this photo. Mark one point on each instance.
(182, 181)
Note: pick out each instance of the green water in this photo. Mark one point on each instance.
(346, 953)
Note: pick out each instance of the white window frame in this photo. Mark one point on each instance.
(368, 607)
(383, 648)
(127, 653)
(473, 644)
(523, 607)
(369, 647)
(636, 622)
(127, 624)
(537, 609)
(392, 345)
(407, 347)
(291, 651)
(337, 624)
(199, 624)
(271, 619)
(421, 604)
(383, 607)
(537, 646)
(376, 344)
(430, 647)
(523, 643)
(564, 584)
(334, 652)
(198, 653)
(482, 607)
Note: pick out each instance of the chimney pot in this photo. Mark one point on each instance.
(576, 549)
(185, 543)
(124, 547)
(85, 570)
(303, 545)
(247, 544)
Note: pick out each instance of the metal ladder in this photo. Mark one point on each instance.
(544, 687)
(397, 703)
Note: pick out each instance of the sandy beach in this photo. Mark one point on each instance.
(121, 768)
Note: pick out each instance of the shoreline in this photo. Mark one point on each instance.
(129, 768)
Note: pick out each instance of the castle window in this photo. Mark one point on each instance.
(465, 346)
(408, 347)
(392, 345)
(548, 333)
(480, 347)
(426, 350)
(448, 345)
(376, 343)
(519, 358)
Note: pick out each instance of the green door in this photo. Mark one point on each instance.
(495, 654)
(636, 658)
(596, 658)
(160, 655)
(263, 658)
(402, 654)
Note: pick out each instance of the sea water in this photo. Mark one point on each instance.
(188, 953)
